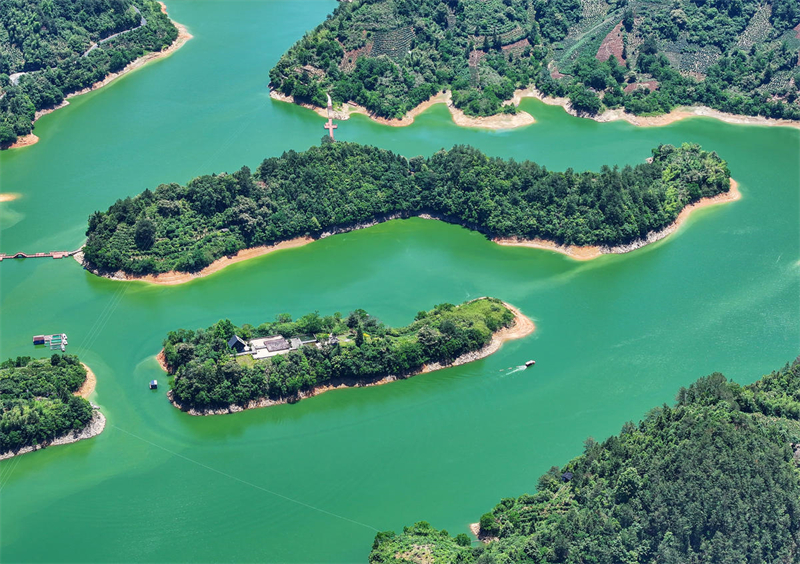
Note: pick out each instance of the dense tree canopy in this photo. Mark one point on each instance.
(37, 400)
(52, 48)
(339, 185)
(209, 376)
(647, 56)
(713, 479)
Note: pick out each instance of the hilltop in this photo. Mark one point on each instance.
(644, 56)
(339, 187)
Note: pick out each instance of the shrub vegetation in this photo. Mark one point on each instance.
(735, 56)
(38, 405)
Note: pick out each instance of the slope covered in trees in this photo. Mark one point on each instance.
(51, 48)
(208, 375)
(339, 185)
(37, 401)
(712, 479)
(647, 56)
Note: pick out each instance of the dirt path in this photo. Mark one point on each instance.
(183, 37)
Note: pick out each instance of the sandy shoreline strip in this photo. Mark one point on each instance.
(92, 429)
(522, 327)
(183, 37)
(677, 114)
(592, 252)
(500, 121)
(88, 385)
(522, 119)
(174, 277)
(575, 252)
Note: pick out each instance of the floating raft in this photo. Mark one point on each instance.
(55, 341)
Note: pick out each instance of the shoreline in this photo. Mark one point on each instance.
(499, 121)
(92, 429)
(475, 529)
(88, 385)
(183, 37)
(522, 327)
(590, 252)
(521, 119)
(677, 114)
(575, 252)
(174, 277)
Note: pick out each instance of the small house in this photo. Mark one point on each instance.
(236, 343)
(153, 384)
(566, 476)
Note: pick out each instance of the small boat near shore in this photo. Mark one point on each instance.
(530, 363)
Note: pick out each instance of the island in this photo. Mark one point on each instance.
(50, 51)
(174, 233)
(44, 404)
(391, 59)
(712, 479)
(225, 368)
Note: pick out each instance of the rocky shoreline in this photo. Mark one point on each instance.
(521, 327)
(92, 429)
(592, 252)
(520, 119)
(498, 121)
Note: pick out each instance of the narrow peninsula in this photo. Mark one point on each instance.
(225, 369)
(713, 478)
(338, 187)
(606, 59)
(44, 404)
(51, 51)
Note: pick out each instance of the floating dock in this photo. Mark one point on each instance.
(51, 254)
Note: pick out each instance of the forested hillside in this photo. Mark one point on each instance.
(37, 401)
(647, 56)
(342, 185)
(362, 350)
(51, 48)
(712, 479)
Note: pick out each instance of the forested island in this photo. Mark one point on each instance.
(342, 186)
(40, 405)
(712, 479)
(226, 368)
(52, 48)
(644, 56)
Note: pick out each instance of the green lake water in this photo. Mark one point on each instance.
(312, 482)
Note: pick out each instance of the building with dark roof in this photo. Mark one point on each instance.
(237, 344)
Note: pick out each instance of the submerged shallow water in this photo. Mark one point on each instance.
(312, 482)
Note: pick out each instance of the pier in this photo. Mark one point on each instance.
(51, 254)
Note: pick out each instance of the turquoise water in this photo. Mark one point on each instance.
(312, 482)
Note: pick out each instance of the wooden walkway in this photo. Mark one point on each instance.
(53, 254)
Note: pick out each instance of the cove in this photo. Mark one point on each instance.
(309, 482)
